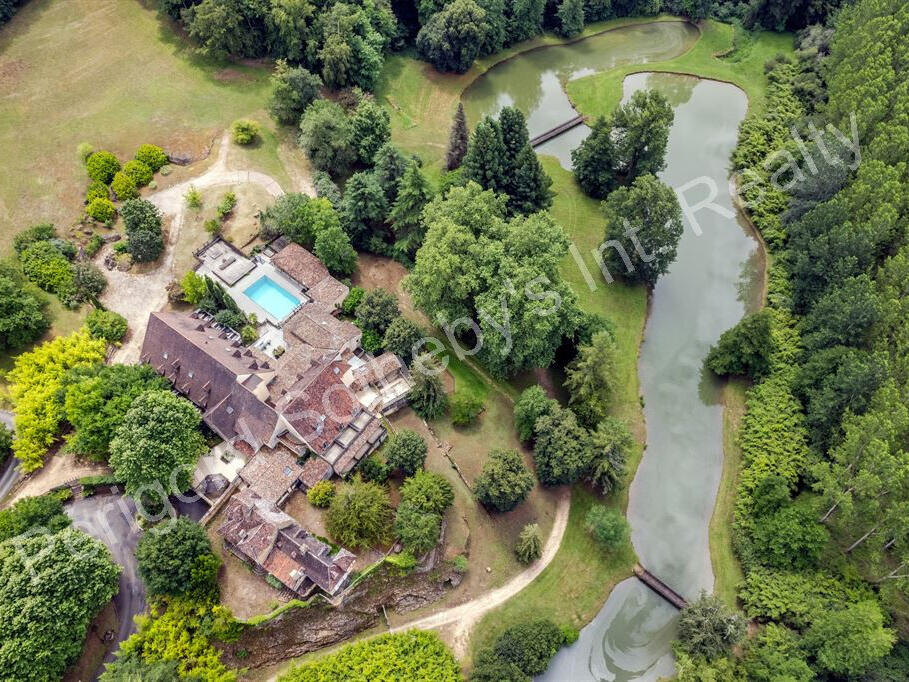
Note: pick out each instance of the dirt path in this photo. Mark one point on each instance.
(464, 616)
(142, 290)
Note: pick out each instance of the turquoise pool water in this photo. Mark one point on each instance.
(277, 301)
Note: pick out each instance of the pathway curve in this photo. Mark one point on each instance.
(464, 616)
(136, 295)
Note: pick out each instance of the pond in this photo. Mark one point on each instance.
(712, 283)
(532, 81)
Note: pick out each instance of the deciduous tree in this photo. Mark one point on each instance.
(504, 481)
(156, 446)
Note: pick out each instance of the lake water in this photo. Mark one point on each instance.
(707, 290)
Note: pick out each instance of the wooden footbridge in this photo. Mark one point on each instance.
(555, 132)
(659, 587)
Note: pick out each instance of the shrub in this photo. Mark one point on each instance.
(96, 190)
(194, 287)
(377, 310)
(504, 482)
(529, 546)
(227, 204)
(530, 646)
(212, 226)
(83, 151)
(6, 442)
(245, 130)
(708, 628)
(359, 514)
(427, 398)
(607, 526)
(124, 187)
(44, 265)
(102, 166)
(374, 469)
(530, 406)
(152, 156)
(371, 341)
(321, 494)
(139, 172)
(465, 408)
(101, 210)
(428, 491)
(349, 306)
(106, 324)
(460, 564)
(406, 450)
(36, 233)
(193, 198)
(417, 654)
(175, 558)
(417, 529)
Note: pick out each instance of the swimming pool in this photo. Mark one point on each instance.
(275, 299)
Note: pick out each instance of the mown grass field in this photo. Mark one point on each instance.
(113, 74)
(726, 566)
(598, 94)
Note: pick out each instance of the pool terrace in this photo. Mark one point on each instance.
(256, 285)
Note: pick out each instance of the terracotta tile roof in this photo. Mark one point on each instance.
(329, 292)
(320, 409)
(315, 469)
(314, 324)
(366, 441)
(272, 472)
(300, 264)
(376, 371)
(271, 539)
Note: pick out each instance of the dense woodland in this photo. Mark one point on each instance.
(820, 518)
(821, 515)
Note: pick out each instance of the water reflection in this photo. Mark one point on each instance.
(533, 81)
(705, 292)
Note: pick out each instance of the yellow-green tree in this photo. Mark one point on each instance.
(35, 387)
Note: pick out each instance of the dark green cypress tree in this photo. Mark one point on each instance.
(406, 214)
(458, 139)
(389, 167)
(514, 135)
(485, 160)
(529, 184)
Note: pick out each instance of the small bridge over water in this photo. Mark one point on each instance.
(555, 132)
(659, 587)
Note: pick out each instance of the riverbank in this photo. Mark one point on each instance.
(598, 95)
(422, 101)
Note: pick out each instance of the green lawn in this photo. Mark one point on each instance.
(726, 566)
(113, 74)
(598, 94)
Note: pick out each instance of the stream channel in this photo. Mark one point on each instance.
(711, 285)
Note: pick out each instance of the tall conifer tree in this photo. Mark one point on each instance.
(458, 139)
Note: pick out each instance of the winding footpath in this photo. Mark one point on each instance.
(467, 614)
(136, 296)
